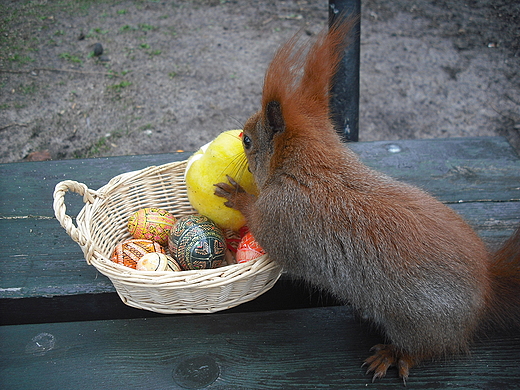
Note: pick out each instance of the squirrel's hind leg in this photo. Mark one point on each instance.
(386, 356)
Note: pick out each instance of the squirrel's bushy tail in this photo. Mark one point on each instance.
(299, 76)
(504, 308)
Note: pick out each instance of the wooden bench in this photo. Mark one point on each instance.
(65, 327)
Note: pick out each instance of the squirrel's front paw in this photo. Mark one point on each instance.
(237, 197)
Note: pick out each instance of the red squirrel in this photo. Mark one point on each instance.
(400, 257)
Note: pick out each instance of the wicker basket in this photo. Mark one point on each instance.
(102, 223)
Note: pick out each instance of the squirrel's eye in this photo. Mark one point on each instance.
(247, 142)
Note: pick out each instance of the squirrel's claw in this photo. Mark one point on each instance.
(226, 191)
(236, 196)
(386, 356)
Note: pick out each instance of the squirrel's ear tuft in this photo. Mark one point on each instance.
(274, 118)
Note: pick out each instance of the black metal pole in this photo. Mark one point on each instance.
(345, 90)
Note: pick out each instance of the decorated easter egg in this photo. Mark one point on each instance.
(154, 261)
(233, 240)
(157, 261)
(209, 166)
(248, 249)
(151, 224)
(173, 265)
(129, 252)
(196, 242)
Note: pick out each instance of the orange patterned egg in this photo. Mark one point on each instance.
(151, 224)
(129, 252)
(248, 249)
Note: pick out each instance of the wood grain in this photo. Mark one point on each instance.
(478, 177)
(292, 349)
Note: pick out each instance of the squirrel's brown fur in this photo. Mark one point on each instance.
(400, 257)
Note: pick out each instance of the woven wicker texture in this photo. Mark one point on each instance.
(102, 223)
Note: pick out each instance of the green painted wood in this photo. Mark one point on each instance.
(493, 221)
(452, 169)
(318, 348)
(27, 187)
(39, 260)
(46, 262)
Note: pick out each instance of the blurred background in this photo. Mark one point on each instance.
(96, 78)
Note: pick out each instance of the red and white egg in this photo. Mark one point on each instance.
(248, 249)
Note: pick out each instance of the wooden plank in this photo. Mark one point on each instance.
(452, 169)
(291, 349)
(46, 262)
(27, 187)
(38, 259)
(493, 221)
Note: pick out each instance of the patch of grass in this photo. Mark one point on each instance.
(148, 126)
(116, 134)
(34, 16)
(96, 31)
(19, 105)
(122, 11)
(146, 27)
(28, 89)
(120, 86)
(130, 52)
(112, 74)
(172, 31)
(172, 74)
(98, 147)
(127, 28)
(150, 52)
(71, 58)
(20, 59)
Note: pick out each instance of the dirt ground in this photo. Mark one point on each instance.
(173, 74)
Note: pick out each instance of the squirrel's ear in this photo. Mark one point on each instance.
(274, 117)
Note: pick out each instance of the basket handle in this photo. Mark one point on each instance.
(60, 209)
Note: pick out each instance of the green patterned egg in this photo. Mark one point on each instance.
(196, 242)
